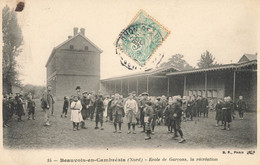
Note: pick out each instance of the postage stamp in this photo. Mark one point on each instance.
(141, 38)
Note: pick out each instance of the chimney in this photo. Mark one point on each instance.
(69, 37)
(82, 31)
(75, 30)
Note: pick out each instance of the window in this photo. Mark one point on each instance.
(204, 93)
(215, 93)
(209, 93)
(199, 93)
(71, 47)
(86, 47)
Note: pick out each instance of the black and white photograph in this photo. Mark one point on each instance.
(129, 82)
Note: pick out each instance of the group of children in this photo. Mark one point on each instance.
(17, 105)
(140, 110)
(225, 111)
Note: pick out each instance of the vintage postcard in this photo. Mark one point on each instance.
(129, 82)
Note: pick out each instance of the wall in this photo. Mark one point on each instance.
(66, 85)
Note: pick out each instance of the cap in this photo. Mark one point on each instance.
(85, 92)
(145, 94)
(78, 87)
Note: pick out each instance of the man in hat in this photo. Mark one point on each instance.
(142, 106)
(84, 112)
(47, 104)
(117, 111)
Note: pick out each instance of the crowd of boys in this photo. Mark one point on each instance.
(143, 110)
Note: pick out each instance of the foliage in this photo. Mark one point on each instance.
(178, 62)
(12, 41)
(36, 91)
(207, 60)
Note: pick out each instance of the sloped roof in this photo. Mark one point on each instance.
(143, 73)
(220, 67)
(249, 57)
(68, 40)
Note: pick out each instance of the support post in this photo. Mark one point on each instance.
(127, 86)
(147, 84)
(137, 87)
(184, 85)
(115, 86)
(234, 87)
(206, 85)
(168, 89)
(121, 87)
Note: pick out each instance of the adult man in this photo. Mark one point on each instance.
(47, 104)
(142, 106)
(131, 109)
(78, 92)
(117, 111)
(241, 107)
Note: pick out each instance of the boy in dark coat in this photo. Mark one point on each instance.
(65, 106)
(99, 108)
(85, 103)
(19, 108)
(148, 117)
(204, 106)
(241, 107)
(117, 111)
(6, 109)
(31, 108)
(219, 112)
(142, 106)
(227, 113)
(168, 113)
(177, 114)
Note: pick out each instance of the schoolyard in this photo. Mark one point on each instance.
(200, 133)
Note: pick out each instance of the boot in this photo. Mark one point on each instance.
(148, 136)
(33, 117)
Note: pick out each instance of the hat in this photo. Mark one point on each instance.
(85, 92)
(78, 87)
(145, 93)
(133, 92)
(117, 95)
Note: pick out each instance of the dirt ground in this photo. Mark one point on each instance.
(200, 133)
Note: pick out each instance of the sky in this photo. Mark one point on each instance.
(226, 28)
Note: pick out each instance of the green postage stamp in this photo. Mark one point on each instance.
(141, 38)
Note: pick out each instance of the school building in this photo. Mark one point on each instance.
(75, 62)
(215, 82)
